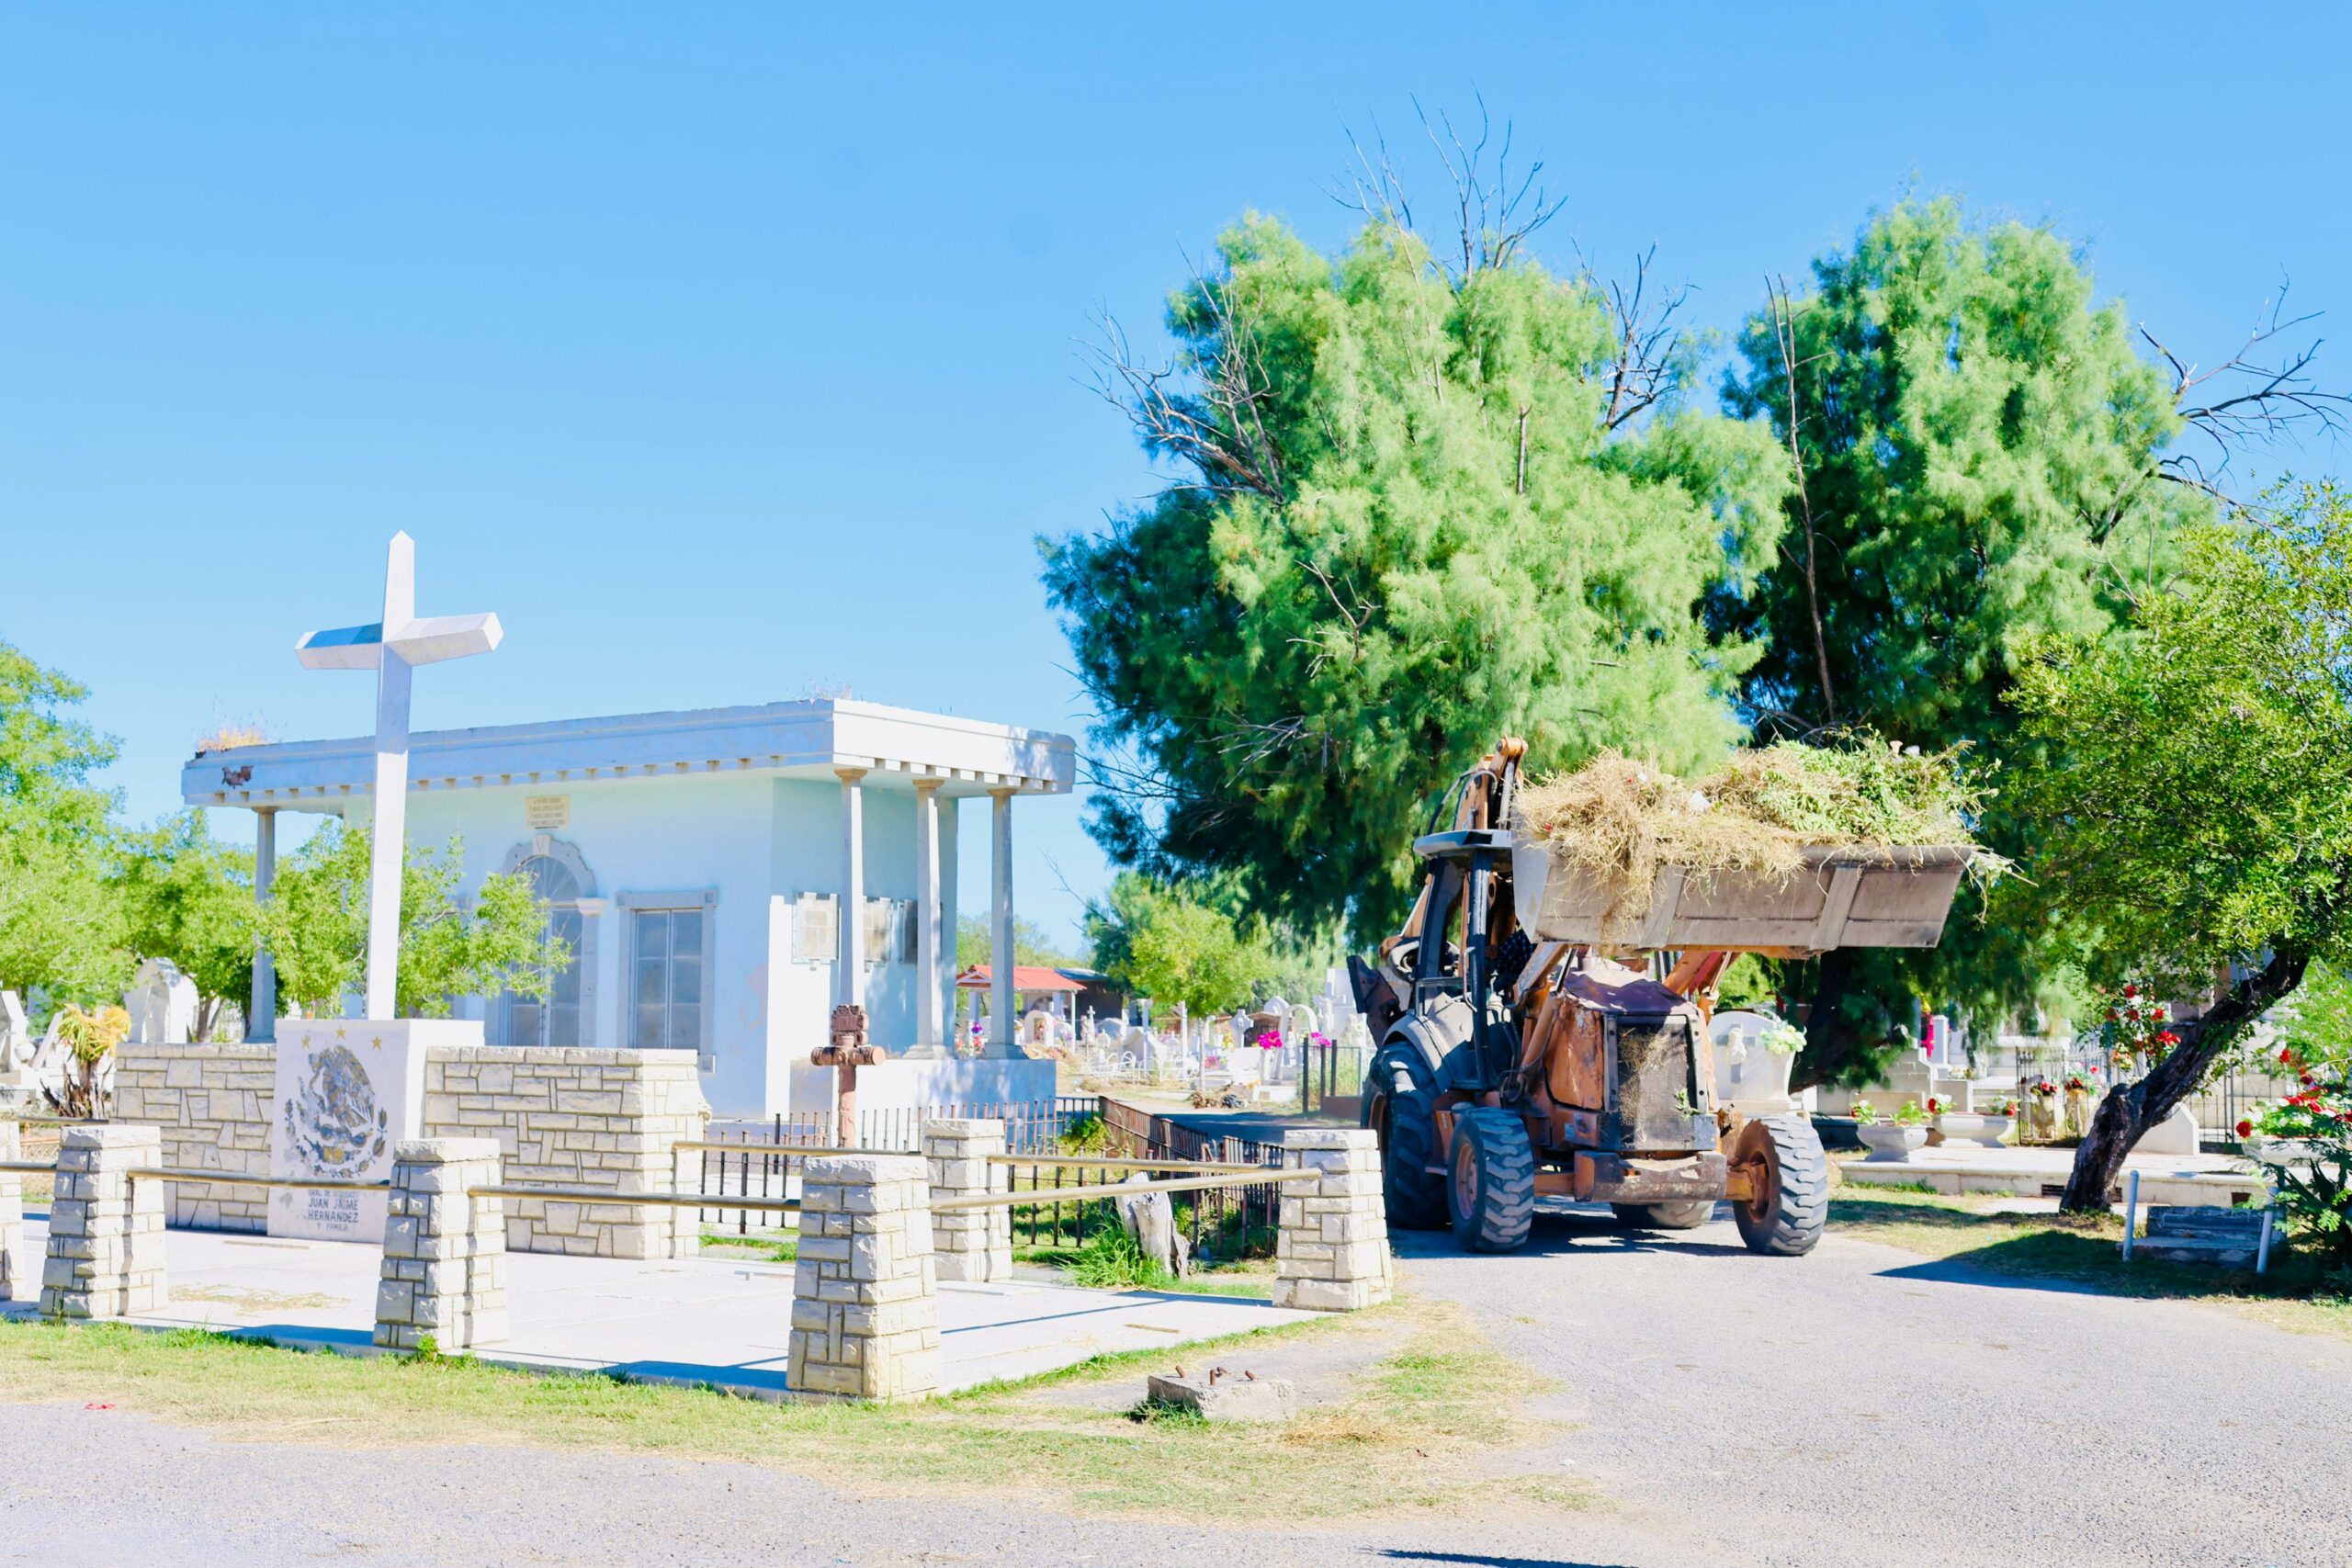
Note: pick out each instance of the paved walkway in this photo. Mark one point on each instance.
(701, 1320)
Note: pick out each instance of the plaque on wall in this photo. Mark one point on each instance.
(547, 813)
(816, 929)
(880, 920)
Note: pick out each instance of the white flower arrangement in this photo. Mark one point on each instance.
(1782, 1038)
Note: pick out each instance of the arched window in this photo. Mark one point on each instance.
(565, 1017)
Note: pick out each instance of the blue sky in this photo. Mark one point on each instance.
(729, 352)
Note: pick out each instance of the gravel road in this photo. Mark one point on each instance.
(1858, 1406)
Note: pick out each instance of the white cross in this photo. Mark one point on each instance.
(390, 648)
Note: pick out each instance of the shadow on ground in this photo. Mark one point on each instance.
(1480, 1560)
(1562, 1229)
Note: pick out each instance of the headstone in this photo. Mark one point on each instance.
(2175, 1135)
(16, 1054)
(348, 1090)
(161, 1003)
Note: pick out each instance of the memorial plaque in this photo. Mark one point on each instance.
(547, 813)
(816, 929)
(347, 1090)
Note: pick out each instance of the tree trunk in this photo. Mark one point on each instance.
(2127, 1113)
(1829, 1036)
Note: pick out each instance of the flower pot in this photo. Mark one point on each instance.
(1996, 1129)
(1891, 1141)
(1963, 1127)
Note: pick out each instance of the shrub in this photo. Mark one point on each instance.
(1111, 1260)
(2312, 1173)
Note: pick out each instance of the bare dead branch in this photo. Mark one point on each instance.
(2260, 396)
(1644, 370)
(1784, 334)
(1207, 413)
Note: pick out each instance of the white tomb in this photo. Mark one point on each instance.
(162, 1004)
(697, 862)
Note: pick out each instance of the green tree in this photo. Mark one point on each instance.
(975, 941)
(1177, 947)
(2198, 789)
(58, 927)
(1983, 459)
(316, 926)
(1411, 509)
(185, 895)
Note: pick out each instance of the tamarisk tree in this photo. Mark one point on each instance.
(1413, 504)
(1985, 453)
(2196, 789)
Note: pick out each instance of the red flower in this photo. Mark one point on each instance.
(2245, 1128)
(2132, 1013)
(2157, 1012)
(2286, 1057)
(2130, 991)
(2168, 1038)
(2113, 1016)
(2308, 1080)
(1934, 1107)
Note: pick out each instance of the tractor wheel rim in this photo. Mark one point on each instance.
(1764, 1190)
(1466, 1180)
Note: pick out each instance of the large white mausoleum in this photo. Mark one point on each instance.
(724, 876)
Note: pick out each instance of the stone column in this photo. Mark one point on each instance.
(928, 1036)
(445, 1253)
(849, 984)
(1001, 1028)
(261, 1023)
(1332, 1253)
(864, 1297)
(106, 1231)
(15, 1266)
(972, 1243)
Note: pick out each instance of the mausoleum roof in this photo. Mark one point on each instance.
(812, 738)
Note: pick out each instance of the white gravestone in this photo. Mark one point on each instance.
(161, 1003)
(16, 1052)
(347, 1090)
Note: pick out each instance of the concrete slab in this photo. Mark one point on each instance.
(694, 1321)
(2164, 1178)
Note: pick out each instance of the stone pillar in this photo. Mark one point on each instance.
(445, 1253)
(865, 1298)
(971, 1244)
(1003, 1027)
(928, 1036)
(106, 1231)
(849, 984)
(16, 1267)
(261, 1022)
(1332, 1253)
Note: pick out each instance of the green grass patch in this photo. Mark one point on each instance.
(1437, 1408)
(772, 1247)
(2086, 1251)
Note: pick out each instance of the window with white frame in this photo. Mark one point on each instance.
(670, 970)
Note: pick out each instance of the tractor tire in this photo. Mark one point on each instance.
(1491, 1195)
(1406, 1119)
(1687, 1214)
(1790, 1201)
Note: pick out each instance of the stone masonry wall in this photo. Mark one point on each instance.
(213, 1104)
(576, 1118)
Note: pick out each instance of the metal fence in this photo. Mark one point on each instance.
(1225, 1223)
(761, 1159)
(1328, 1072)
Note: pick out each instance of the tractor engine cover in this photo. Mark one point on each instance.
(1648, 1052)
